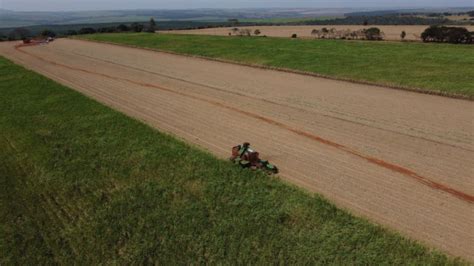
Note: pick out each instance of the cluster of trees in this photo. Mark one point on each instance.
(447, 34)
(362, 34)
(244, 32)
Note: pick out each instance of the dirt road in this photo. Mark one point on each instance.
(401, 159)
(392, 33)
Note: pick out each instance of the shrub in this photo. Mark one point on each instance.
(107, 30)
(294, 35)
(19, 34)
(137, 27)
(48, 33)
(257, 32)
(71, 32)
(87, 31)
(245, 32)
(123, 27)
(373, 34)
(403, 35)
(151, 26)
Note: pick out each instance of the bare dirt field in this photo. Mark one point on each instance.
(391, 32)
(401, 159)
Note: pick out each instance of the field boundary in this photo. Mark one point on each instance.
(294, 71)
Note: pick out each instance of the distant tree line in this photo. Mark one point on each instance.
(350, 20)
(445, 34)
(469, 13)
(24, 33)
(134, 27)
(405, 13)
(377, 20)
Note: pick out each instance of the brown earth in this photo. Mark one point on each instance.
(402, 159)
(392, 33)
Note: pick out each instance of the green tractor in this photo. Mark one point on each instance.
(244, 156)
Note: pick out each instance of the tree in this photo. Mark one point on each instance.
(87, 30)
(48, 33)
(403, 35)
(316, 33)
(107, 29)
(257, 32)
(123, 27)
(447, 34)
(294, 35)
(137, 27)
(235, 30)
(151, 26)
(366, 22)
(71, 32)
(245, 32)
(233, 21)
(19, 34)
(373, 34)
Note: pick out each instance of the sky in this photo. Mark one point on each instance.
(76, 5)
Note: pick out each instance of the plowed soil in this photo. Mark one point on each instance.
(401, 159)
(392, 33)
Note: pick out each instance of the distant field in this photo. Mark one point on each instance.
(287, 20)
(413, 32)
(432, 67)
(84, 184)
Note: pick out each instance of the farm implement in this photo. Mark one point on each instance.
(244, 156)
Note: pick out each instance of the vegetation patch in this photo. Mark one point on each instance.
(83, 184)
(444, 68)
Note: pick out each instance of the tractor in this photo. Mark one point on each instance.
(244, 156)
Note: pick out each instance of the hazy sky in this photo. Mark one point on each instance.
(61, 5)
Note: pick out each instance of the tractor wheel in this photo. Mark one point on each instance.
(244, 164)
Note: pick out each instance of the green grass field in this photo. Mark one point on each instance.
(83, 184)
(433, 67)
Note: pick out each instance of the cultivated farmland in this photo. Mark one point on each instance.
(391, 32)
(400, 158)
(439, 68)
